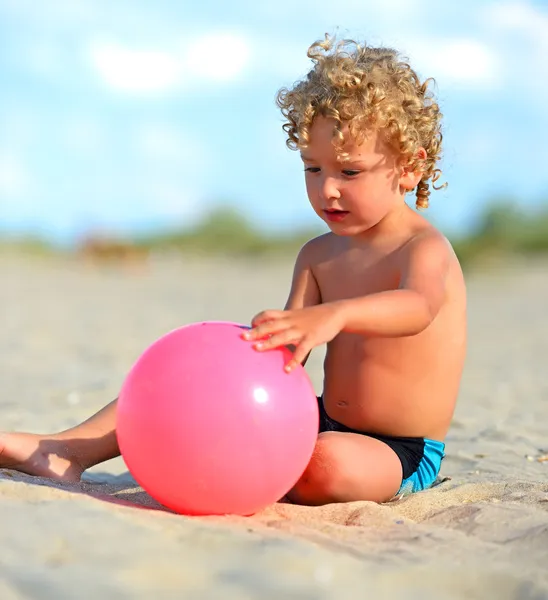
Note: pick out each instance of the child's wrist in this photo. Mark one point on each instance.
(341, 311)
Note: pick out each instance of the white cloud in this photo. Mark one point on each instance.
(134, 71)
(209, 58)
(462, 62)
(219, 57)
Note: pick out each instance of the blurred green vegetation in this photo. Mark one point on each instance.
(226, 231)
(32, 245)
(504, 229)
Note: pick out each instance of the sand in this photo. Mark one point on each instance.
(72, 330)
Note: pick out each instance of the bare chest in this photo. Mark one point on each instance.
(348, 278)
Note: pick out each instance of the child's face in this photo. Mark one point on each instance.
(356, 192)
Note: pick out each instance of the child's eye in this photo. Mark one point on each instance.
(312, 169)
(350, 172)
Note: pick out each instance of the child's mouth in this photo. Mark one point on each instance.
(335, 215)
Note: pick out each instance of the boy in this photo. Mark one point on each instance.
(383, 290)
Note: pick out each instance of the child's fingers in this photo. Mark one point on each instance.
(301, 352)
(265, 329)
(266, 315)
(292, 364)
(283, 338)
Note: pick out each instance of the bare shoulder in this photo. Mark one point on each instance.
(427, 246)
(316, 249)
(429, 266)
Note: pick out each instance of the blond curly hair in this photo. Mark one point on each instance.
(367, 87)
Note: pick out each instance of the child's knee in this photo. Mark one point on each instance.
(325, 478)
(346, 468)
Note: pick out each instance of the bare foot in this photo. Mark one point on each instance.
(43, 456)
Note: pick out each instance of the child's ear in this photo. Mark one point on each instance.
(410, 179)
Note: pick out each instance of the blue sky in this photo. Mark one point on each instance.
(124, 115)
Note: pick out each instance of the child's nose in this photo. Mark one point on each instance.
(329, 189)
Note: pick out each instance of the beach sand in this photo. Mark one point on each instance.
(72, 330)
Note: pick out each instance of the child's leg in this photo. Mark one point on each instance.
(65, 455)
(346, 467)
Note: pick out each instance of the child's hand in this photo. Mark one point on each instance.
(303, 328)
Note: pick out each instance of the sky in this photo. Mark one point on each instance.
(123, 116)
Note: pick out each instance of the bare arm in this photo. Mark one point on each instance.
(414, 305)
(304, 287)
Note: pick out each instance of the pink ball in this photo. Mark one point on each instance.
(207, 425)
